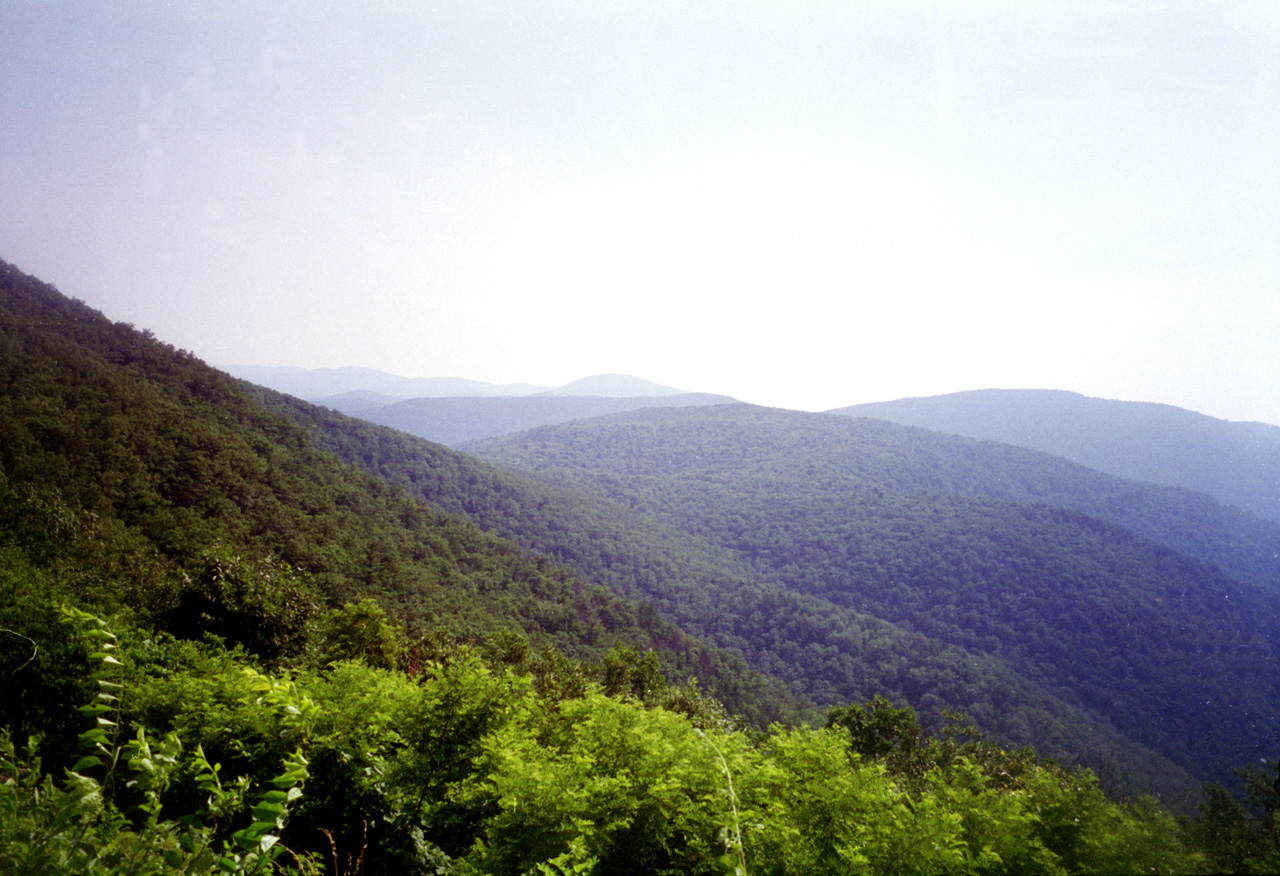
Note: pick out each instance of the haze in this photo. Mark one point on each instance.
(799, 204)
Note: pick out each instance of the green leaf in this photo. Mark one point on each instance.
(268, 813)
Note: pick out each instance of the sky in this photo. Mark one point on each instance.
(798, 203)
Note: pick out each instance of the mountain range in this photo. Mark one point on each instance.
(320, 384)
(457, 412)
(1236, 463)
(790, 561)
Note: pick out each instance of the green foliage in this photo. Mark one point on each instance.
(43, 663)
(361, 631)
(628, 673)
(598, 780)
(471, 768)
(1240, 835)
(262, 604)
(878, 729)
(83, 827)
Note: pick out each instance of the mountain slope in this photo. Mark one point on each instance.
(162, 474)
(904, 525)
(1236, 463)
(163, 465)
(832, 653)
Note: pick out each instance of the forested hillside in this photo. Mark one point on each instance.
(235, 638)
(1236, 463)
(902, 524)
(831, 652)
(181, 472)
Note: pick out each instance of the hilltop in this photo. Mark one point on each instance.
(1236, 463)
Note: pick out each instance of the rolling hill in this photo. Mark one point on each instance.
(830, 653)
(1236, 463)
(954, 539)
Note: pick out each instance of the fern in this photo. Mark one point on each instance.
(76, 828)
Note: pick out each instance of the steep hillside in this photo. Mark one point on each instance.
(171, 484)
(1236, 463)
(905, 525)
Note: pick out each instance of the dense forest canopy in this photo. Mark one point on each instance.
(954, 540)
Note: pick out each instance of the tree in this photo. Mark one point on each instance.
(361, 631)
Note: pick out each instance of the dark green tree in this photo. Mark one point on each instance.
(361, 631)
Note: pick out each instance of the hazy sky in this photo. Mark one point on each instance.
(804, 204)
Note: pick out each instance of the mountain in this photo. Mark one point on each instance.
(456, 412)
(137, 474)
(458, 421)
(195, 555)
(1236, 463)
(159, 483)
(615, 386)
(952, 538)
(323, 383)
(831, 653)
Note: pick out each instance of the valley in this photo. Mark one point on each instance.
(690, 567)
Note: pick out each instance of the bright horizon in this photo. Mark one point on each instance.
(802, 206)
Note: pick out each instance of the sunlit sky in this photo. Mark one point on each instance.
(802, 204)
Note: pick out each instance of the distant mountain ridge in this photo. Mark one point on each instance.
(456, 412)
(615, 386)
(458, 422)
(1236, 463)
(321, 385)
